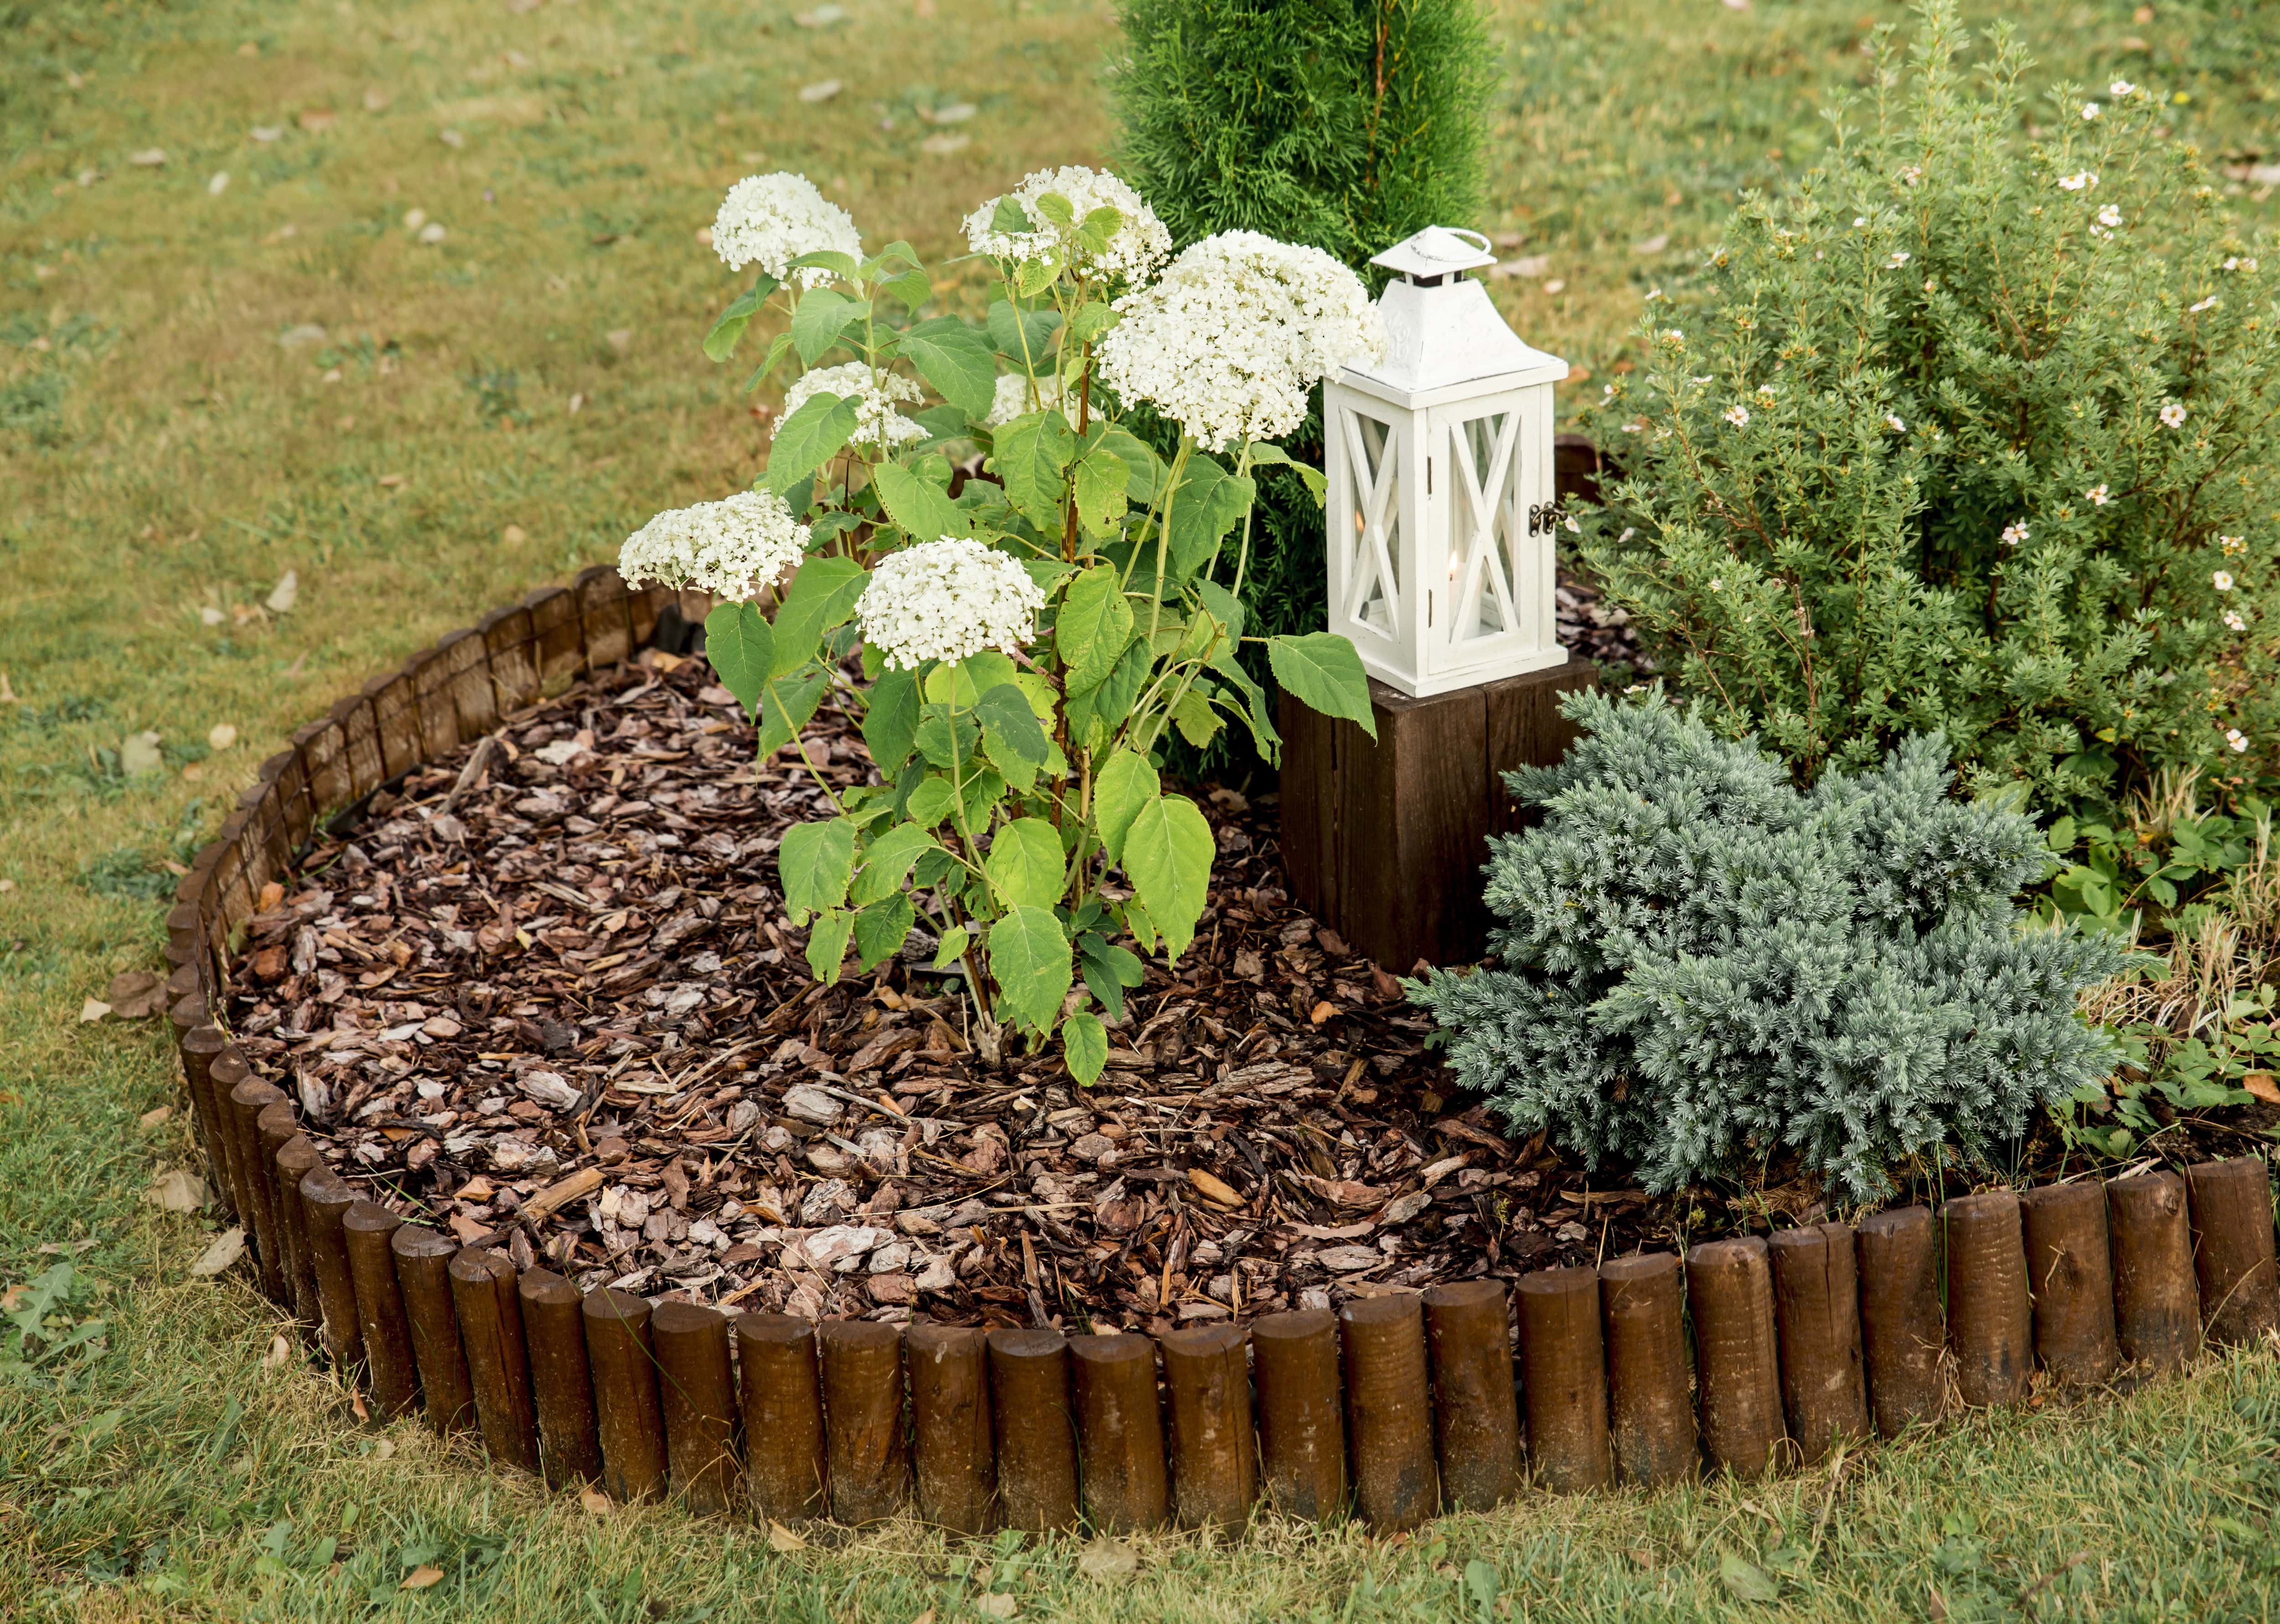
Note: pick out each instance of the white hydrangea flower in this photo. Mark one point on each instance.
(1014, 397)
(1140, 242)
(733, 548)
(877, 423)
(770, 220)
(947, 600)
(1241, 326)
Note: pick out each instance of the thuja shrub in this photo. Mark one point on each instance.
(1702, 969)
(1970, 432)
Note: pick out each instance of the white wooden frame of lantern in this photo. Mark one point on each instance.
(1441, 515)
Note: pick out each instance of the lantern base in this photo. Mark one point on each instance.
(1386, 675)
(1383, 841)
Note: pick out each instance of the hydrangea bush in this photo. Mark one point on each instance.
(1028, 645)
(1970, 432)
(1702, 967)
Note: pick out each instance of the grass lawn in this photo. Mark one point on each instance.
(485, 414)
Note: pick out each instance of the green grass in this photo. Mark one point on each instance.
(162, 454)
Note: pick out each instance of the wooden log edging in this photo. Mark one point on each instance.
(1398, 1407)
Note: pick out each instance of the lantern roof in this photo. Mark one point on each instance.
(1444, 338)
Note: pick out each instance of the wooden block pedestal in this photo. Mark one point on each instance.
(1383, 841)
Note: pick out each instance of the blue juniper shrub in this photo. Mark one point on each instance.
(1703, 966)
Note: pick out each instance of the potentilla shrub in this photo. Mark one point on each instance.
(1970, 432)
(1702, 968)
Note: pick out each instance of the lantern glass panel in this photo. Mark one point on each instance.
(1375, 575)
(1485, 496)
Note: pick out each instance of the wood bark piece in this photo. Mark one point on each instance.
(628, 1416)
(1730, 1290)
(696, 1390)
(1903, 1332)
(2157, 1305)
(953, 1439)
(1302, 1443)
(1036, 1430)
(485, 1295)
(781, 1386)
(2230, 1204)
(1990, 1323)
(1215, 1448)
(1817, 1316)
(1476, 1411)
(561, 1378)
(1564, 1370)
(1121, 1433)
(381, 1320)
(868, 1464)
(423, 1271)
(1390, 1411)
(1650, 1391)
(2070, 1281)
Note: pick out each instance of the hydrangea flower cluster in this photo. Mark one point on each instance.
(770, 220)
(732, 548)
(1139, 245)
(877, 423)
(1241, 326)
(1014, 397)
(947, 600)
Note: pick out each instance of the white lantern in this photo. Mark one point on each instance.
(1440, 509)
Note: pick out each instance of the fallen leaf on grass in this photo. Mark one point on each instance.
(2260, 1084)
(285, 594)
(134, 994)
(997, 1604)
(620, 339)
(420, 1577)
(595, 1501)
(782, 1540)
(943, 146)
(177, 1191)
(1747, 1581)
(514, 536)
(1107, 1559)
(94, 1009)
(318, 119)
(821, 90)
(150, 157)
(228, 1248)
(222, 735)
(821, 17)
(151, 1119)
(138, 752)
(279, 1350)
(956, 112)
(391, 482)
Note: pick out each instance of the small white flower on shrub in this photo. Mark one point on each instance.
(2098, 496)
(770, 220)
(1240, 327)
(2235, 737)
(1901, 257)
(2015, 534)
(2121, 88)
(877, 423)
(1893, 422)
(2110, 217)
(2222, 581)
(947, 600)
(2210, 303)
(2234, 621)
(1137, 246)
(1737, 416)
(733, 548)
(2173, 415)
(2079, 180)
(2090, 109)
(2232, 544)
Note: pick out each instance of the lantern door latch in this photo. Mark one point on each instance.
(1544, 517)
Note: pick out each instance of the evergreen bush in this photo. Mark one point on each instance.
(1703, 966)
(1347, 125)
(1968, 432)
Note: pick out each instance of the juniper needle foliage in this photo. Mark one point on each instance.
(1703, 966)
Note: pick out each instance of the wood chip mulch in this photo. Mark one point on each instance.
(544, 994)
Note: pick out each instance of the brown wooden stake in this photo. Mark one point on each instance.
(954, 1442)
(627, 1414)
(782, 1391)
(2230, 1204)
(200, 1045)
(1564, 1371)
(1989, 1322)
(1214, 1449)
(1650, 1391)
(1037, 1431)
(1730, 1292)
(326, 1198)
(1476, 1413)
(1390, 1411)
(296, 1158)
(1817, 1313)
(1902, 1330)
(367, 1228)
(275, 1126)
(1120, 1433)
(1302, 1439)
(247, 1101)
(867, 1465)
(2157, 1305)
(561, 1378)
(226, 1070)
(489, 1309)
(423, 1270)
(2070, 1281)
(697, 1392)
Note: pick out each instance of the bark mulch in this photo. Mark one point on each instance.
(544, 994)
